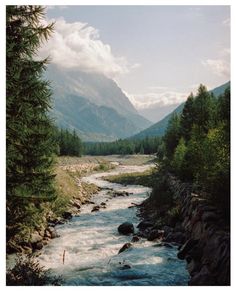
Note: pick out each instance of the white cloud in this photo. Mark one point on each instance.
(60, 7)
(219, 67)
(78, 46)
(151, 100)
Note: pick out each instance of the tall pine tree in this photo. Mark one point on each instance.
(30, 145)
(187, 118)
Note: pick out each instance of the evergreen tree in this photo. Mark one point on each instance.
(204, 105)
(187, 118)
(172, 135)
(30, 144)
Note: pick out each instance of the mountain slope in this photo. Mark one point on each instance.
(89, 120)
(159, 128)
(92, 104)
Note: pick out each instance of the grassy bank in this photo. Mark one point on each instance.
(31, 216)
(145, 178)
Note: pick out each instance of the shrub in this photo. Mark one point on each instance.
(28, 272)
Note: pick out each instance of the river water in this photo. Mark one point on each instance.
(90, 244)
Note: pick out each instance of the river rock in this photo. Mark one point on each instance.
(38, 245)
(125, 247)
(120, 193)
(54, 234)
(95, 209)
(144, 225)
(76, 203)
(135, 238)
(126, 228)
(155, 234)
(35, 237)
(47, 234)
(67, 215)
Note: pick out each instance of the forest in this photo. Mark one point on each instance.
(148, 145)
(196, 146)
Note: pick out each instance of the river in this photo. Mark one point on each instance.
(90, 243)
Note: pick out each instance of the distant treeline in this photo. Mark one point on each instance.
(69, 143)
(148, 145)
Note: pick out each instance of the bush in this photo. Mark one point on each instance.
(161, 194)
(28, 272)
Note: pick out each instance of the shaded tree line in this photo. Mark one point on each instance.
(69, 143)
(148, 145)
(196, 145)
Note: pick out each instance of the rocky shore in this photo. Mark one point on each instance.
(199, 231)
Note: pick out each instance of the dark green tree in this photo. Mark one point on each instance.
(30, 139)
(204, 110)
(187, 118)
(172, 135)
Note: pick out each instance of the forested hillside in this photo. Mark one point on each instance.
(196, 145)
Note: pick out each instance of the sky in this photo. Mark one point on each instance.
(156, 54)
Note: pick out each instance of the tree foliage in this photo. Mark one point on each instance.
(197, 145)
(30, 144)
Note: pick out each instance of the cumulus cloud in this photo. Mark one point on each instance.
(218, 66)
(151, 100)
(78, 46)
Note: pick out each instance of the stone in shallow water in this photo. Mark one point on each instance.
(126, 228)
(125, 247)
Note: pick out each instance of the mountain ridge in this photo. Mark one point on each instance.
(158, 128)
(93, 105)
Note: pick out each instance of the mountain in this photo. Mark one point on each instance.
(159, 128)
(93, 105)
(91, 121)
(155, 113)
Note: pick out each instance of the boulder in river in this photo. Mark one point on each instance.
(126, 228)
(125, 247)
(95, 209)
(103, 205)
(67, 215)
(135, 238)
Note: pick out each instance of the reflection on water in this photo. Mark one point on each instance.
(91, 243)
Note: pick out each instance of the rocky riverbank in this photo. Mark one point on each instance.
(199, 230)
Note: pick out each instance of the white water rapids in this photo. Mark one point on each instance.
(91, 243)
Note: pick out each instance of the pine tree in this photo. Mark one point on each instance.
(204, 105)
(187, 118)
(172, 135)
(30, 139)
